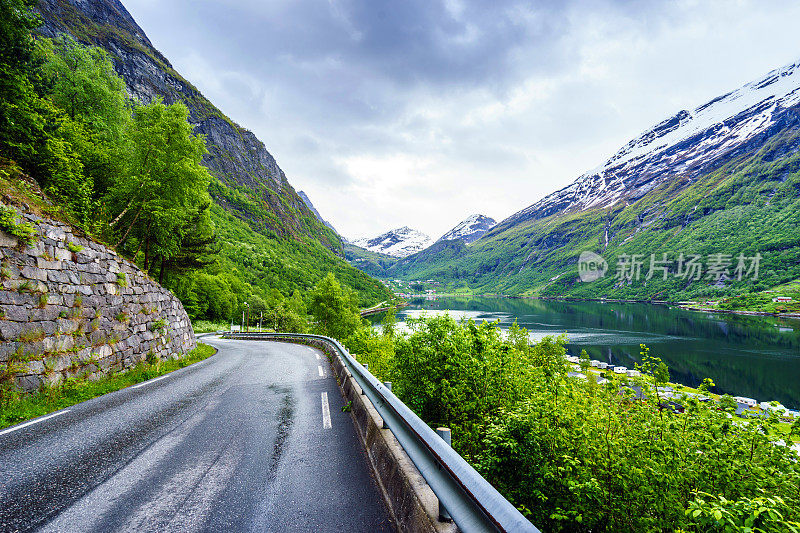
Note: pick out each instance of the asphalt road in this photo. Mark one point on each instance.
(251, 439)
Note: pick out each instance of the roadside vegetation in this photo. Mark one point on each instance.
(208, 326)
(763, 302)
(573, 454)
(18, 407)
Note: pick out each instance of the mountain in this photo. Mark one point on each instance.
(306, 200)
(690, 143)
(271, 239)
(250, 183)
(723, 178)
(372, 263)
(400, 242)
(470, 229)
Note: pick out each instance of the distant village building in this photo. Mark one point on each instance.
(782, 299)
(768, 406)
(620, 370)
(750, 402)
(633, 373)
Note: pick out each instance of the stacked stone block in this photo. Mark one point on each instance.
(70, 307)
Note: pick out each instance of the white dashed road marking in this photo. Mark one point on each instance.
(321, 373)
(26, 424)
(326, 412)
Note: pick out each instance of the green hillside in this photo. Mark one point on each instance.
(367, 261)
(750, 205)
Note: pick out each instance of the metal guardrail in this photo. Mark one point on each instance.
(471, 501)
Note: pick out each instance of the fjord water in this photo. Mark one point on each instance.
(752, 356)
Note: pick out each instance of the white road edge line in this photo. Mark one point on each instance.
(42, 419)
(326, 412)
(317, 357)
(149, 382)
(321, 373)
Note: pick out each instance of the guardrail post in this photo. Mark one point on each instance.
(366, 367)
(388, 385)
(446, 436)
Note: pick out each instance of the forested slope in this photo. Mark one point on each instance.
(268, 218)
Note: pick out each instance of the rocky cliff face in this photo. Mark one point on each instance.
(70, 307)
(236, 157)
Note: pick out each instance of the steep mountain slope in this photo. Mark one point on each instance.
(251, 184)
(373, 263)
(306, 200)
(267, 230)
(399, 242)
(721, 179)
(470, 229)
(689, 144)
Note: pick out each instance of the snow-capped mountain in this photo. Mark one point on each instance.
(306, 200)
(470, 229)
(400, 242)
(687, 144)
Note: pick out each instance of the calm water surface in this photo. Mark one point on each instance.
(750, 356)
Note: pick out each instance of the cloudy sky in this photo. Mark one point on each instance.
(420, 113)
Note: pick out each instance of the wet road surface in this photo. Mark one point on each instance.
(251, 439)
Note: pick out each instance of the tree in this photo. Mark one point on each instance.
(165, 183)
(213, 296)
(198, 248)
(81, 81)
(795, 428)
(389, 322)
(334, 308)
(727, 403)
(17, 119)
(584, 361)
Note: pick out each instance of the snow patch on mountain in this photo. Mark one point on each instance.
(400, 242)
(469, 230)
(687, 144)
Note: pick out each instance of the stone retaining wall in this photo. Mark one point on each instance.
(70, 307)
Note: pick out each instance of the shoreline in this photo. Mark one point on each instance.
(685, 306)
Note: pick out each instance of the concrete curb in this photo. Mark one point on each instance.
(411, 503)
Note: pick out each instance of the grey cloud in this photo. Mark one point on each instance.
(323, 81)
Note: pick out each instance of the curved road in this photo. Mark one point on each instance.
(251, 439)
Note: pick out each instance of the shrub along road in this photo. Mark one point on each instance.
(251, 439)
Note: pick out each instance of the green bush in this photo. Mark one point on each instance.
(10, 223)
(577, 456)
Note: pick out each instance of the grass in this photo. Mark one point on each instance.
(74, 248)
(208, 326)
(47, 400)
